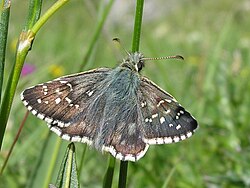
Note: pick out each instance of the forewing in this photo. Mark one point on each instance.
(164, 119)
(59, 102)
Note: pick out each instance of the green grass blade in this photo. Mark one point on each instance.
(171, 173)
(123, 174)
(82, 160)
(36, 178)
(97, 33)
(35, 7)
(4, 25)
(46, 164)
(107, 183)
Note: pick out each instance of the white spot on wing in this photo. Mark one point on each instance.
(56, 130)
(178, 127)
(65, 137)
(70, 86)
(39, 101)
(25, 103)
(154, 116)
(60, 124)
(76, 139)
(159, 141)
(41, 116)
(183, 137)
(34, 112)
(168, 100)
(161, 101)
(128, 157)
(176, 139)
(89, 93)
(58, 100)
(68, 100)
(189, 134)
(86, 140)
(162, 120)
(63, 81)
(48, 120)
(168, 140)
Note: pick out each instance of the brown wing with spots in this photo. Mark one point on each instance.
(165, 120)
(60, 101)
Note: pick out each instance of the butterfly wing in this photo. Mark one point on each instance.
(59, 102)
(164, 119)
(124, 140)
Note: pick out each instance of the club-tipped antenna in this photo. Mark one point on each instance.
(116, 39)
(166, 57)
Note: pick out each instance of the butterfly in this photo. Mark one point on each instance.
(114, 110)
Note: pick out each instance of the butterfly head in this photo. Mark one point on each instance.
(134, 61)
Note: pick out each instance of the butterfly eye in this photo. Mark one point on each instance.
(140, 65)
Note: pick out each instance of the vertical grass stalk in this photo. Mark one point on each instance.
(4, 25)
(135, 48)
(137, 25)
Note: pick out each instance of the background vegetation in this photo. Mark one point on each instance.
(213, 84)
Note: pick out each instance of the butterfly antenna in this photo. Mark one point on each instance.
(167, 57)
(117, 40)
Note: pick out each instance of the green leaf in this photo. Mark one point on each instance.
(67, 176)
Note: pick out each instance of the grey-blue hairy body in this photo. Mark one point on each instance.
(115, 103)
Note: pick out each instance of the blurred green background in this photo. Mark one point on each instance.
(212, 83)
